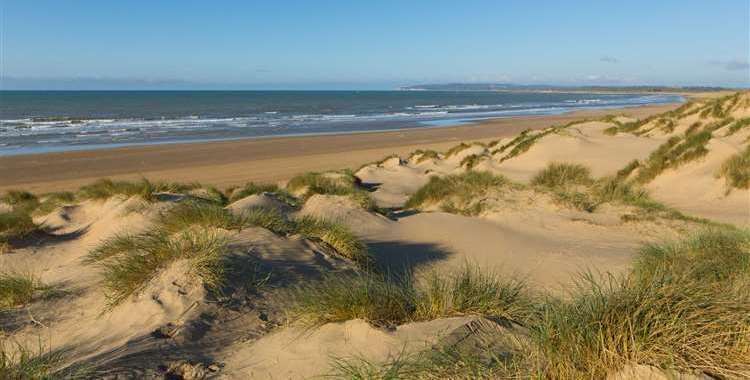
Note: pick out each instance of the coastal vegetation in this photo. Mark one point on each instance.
(736, 170)
(680, 308)
(457, 191)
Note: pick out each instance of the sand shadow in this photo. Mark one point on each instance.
(403, 259)
(44, 238)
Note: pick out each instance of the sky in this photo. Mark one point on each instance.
(357, 44)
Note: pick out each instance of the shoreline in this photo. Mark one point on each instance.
(270, 159)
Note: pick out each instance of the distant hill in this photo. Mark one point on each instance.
(521, 87)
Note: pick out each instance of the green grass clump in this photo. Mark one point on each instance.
(738, 126)
(345, 184)
(20, 200)
(615, 190)
(714, 255)
(607, 324)
(683, 308)
(578, 200)
(335, 235)
(394, 300)
(611, 131)
(470, 161)
(129, 263)
(15, 225)
(20, 363)
(367, 296)
(50, 202)
(674, 153)
(693, 128)
(188, 214)
(210, 194)
(425, 155)
(457, 149)
(252, 188)
(18, 289)
(560, 175)
(145, 189)
(736, 170)
(463, 188)
(625, 172)
(471, 291)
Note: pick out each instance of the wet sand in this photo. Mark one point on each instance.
(275, 159)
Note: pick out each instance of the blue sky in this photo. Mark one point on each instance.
(371, 44)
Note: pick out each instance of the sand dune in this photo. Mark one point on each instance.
(156, 280)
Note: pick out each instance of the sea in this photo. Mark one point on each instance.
(51, 121)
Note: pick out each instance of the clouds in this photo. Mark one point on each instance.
(732, 64)
(609, 59)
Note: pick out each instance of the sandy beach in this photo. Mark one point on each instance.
(231, 163)
(510, 238)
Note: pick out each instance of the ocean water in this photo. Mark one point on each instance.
(48, 121)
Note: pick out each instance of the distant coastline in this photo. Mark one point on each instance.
(508, 87)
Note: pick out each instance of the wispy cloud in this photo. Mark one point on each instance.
(609, 59)
(732, 64)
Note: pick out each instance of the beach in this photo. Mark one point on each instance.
(471, 239)
(230, 163)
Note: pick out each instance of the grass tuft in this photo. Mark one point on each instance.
(425, 155)
(252, 188)
(19, 362)
(560, 175)
(607, 324)
(52, 201)
(472, 291)
(130, 263)
(736, 170)
(462, 188)
(15, 225)
(457, 149)
(710, 256)
(673, 153)
(190, 213)
(343, 184)
(391, 300)
(20, 200)
(470, 161)
(335, 235)
(18, 289)
(106, 188)
(368, 296)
